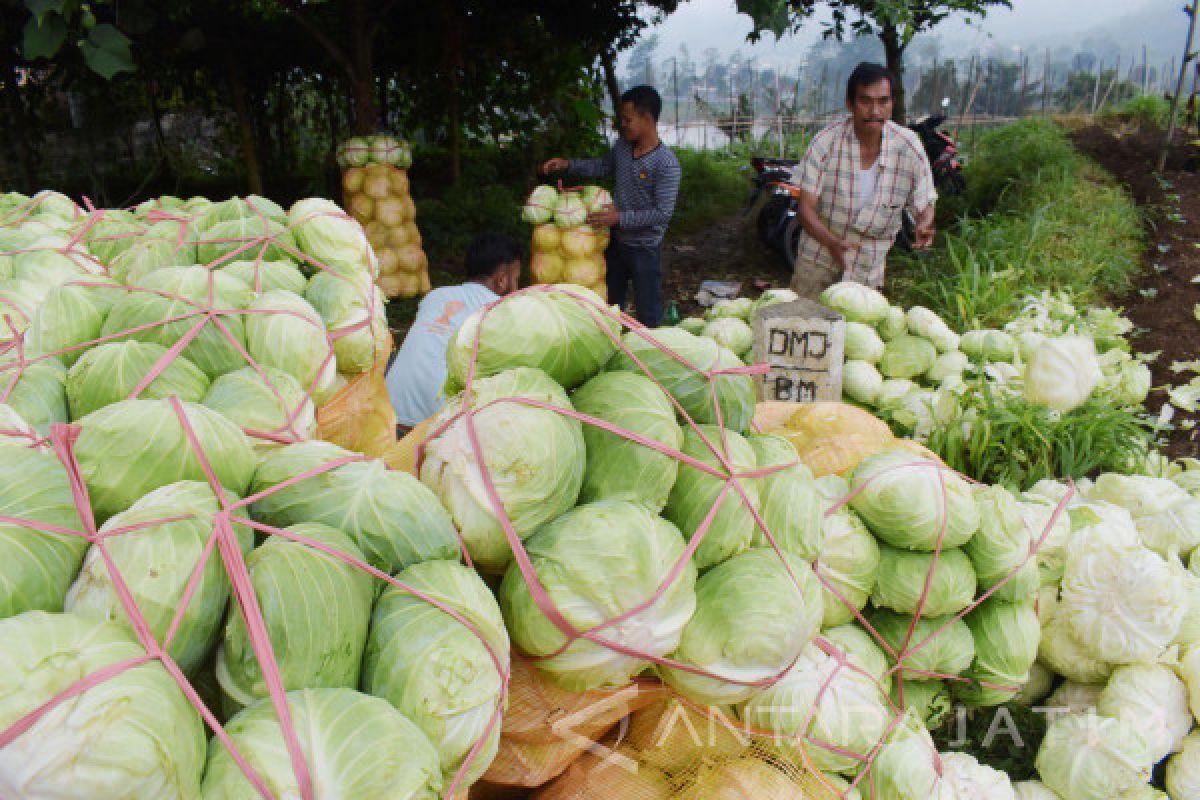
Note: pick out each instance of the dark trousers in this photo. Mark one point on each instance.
(643, 266)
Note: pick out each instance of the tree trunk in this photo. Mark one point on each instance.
(237, 90)
(366, 101)
(893, 52)
(610, 78)
(1192, 11)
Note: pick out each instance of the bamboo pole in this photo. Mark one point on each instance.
(1191, 11)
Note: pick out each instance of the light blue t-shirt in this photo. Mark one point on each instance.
(417, 374)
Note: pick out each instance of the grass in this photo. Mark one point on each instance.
(1037, 215)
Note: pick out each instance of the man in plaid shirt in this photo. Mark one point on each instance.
(856, 180)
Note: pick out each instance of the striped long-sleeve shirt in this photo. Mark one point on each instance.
(644, 189)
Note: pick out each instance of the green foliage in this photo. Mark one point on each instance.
(988, 734)
(1053, 221)
(1146, 111)
(1015, 444)
(104, 48)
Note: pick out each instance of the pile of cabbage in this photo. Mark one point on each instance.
(912, 369)
(359, 151)
(257, 312)
(566, 249)
(727, 322)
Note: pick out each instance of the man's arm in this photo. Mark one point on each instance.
(837, 247)
(922, 202)
(666, 191)
(582, 167)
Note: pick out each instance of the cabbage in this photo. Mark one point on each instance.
(285, 332)
(1124, 381)
(1033, 790)
(315, 608)
(731, 333)
(53, 262)
(344, 303)
(1189, 670)
(109, 373)
(733, 527)
(903, 576)
(18, 303)
(619, 468)
(1166, 516)
(146, 256)
(1086, 757)
(893, 324)
(936, 646)
(71, 318)
(267, 405)
(263, 276)
(860, 648)
(789, 502)
(155, 451)
(1075, 698)
(436, 670)
(596, 198)
(863, 343)
(39, 395)
(1183, 770)
(947, 365)
(861, 382)
(908, 501)
(748, 776)
(828, 703)
(848, 563)
(49, 203)
(737, 308)
(535, 458)
(693, 325)
(1050, 539)
(906, 357)
(1062, 373)
(857, 303)
(569, 339)
(1006, 645)
(251, 207)
(389, 515)
(597, 562)
(1153, 700)
(928, 325)
(330, 238)
(132, 736)
(771, 297)
(143, 316)
(248, 239)
(964, 777)
(892, 393)
(39, 564)
(754, 615)
(354, 745)
(14, 431)
(686, 382)
(1002, 550)
(1121, 600)
(988, 345)
(928, 700)
(905, 766)
(156, 561)
(578, 243)
(570, 210)
(1063, 652)
(540, 206)
(922, 410)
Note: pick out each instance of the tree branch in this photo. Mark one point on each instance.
(314, 30)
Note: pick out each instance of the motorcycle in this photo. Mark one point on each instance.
(778, 220)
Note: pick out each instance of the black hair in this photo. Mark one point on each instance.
(868, 74)
(645, 99)
(488, 252)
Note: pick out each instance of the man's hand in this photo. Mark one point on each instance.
(608, 218)
(924, 236)
(555, 165)
(840, 249)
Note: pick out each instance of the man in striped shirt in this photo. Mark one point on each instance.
(646, 182)
(856, 180)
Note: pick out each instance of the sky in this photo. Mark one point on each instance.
(702, 24)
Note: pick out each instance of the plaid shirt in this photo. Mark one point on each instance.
(829, 170)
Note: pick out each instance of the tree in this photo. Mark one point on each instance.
(894, 22)
(641, 61)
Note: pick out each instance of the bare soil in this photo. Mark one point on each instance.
(1164, 304)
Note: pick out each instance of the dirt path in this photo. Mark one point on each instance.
(1164, 305)
(726, 250)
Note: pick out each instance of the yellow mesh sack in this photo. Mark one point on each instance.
(546, 727)
(360, 416)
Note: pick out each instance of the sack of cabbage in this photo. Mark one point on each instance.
(565, 248)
